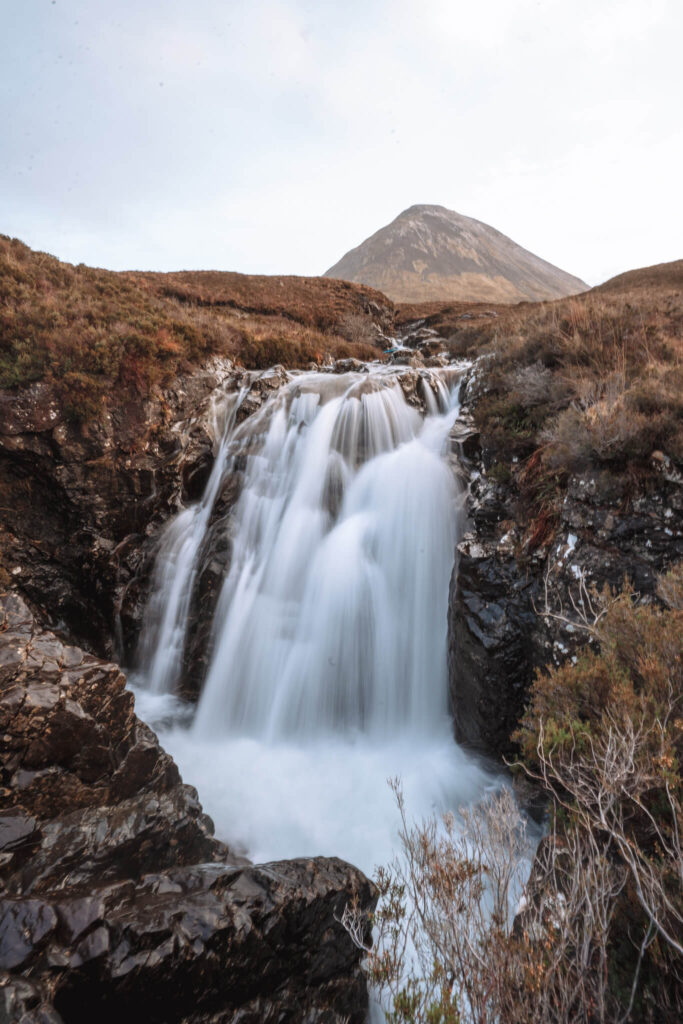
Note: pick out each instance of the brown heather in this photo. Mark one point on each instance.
(590, 384)
(95, 332)
(605, 738)
(593, 382)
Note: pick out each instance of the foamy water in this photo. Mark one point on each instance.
(278, 800)
(328, 674)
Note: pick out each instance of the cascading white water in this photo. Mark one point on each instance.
(165, 624)
(333, 614)
(328, 671)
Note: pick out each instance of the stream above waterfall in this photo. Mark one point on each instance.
(327, 671)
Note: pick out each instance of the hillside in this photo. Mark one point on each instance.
(430, 253)
(659, 276)
(95, 331)
(593, 381)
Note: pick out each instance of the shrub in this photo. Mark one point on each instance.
(457, 938)
(605, 737)
(532, 385)
(596, 936)
(357, 327)
(81, 397)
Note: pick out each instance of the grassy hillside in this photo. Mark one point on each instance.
(590, 383)
(593, 381)
(95, 331)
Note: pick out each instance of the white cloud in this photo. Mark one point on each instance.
(272, 135)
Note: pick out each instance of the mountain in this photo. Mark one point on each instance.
(431, 253)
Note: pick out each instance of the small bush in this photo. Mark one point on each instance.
(596, 937)
(455, 942)
(81, 396)
(532, 385)
(605, 736)
(357, 327)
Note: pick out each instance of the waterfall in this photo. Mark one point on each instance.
(328, 670)
(333, 614)
(165, 622)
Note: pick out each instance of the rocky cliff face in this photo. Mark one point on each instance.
(84, 502)
(81, 500)
(522, 579)
(430, 253)
(114, 893)
(517, 594)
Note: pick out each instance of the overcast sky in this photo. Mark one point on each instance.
(270, 136)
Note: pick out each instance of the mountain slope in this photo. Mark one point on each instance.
(96, 332)
(431, 253)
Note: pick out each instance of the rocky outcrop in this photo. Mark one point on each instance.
(216, 551)
(83, 502)
(519, 577)
(211, 943)
(83, 499)
(114, 893)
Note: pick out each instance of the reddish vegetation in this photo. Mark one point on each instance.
(662, 275)
(94, 332)
(593, 380)
(317, 302)
(447, 316)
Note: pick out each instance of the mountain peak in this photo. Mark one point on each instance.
(432, 253)
(422, 208)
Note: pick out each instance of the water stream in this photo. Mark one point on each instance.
(328, 670)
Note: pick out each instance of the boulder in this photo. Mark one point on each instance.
(115, 894)
(350, 366)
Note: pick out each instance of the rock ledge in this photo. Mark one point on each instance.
(116, 901)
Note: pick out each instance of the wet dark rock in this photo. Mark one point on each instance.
(403, 358)
(83, 501)
(19, 836)
(466, 437)
(25, 1002)
(211, 940)
(429, 347)
(414, 383)
(195, 474)
(89, 792)
(506, 579)
(417, 336)
(350, 366)
(83, 504)
(260, 386)
(491, 622)
(214, 561)
(113, 891)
